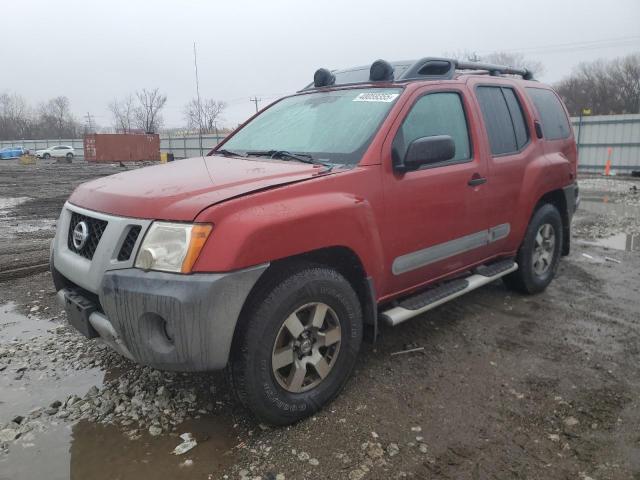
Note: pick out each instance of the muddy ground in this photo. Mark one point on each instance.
(508, 386)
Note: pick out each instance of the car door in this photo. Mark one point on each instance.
(511, 152)
(436, 219)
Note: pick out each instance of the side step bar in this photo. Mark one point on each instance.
(435, 296)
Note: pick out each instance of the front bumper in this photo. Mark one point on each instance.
(170, 321)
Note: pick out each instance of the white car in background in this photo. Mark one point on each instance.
(58, 151)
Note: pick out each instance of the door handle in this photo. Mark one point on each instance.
(476, 180)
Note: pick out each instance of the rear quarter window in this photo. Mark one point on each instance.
(555, 124)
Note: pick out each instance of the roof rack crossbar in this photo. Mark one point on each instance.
(494, 69)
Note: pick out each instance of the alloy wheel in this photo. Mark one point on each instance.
(306, 347)
(543, 249)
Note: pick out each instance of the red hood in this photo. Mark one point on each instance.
(180, 190)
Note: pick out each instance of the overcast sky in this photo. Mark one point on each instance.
(94, 51)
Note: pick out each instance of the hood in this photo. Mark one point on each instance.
(180, 190)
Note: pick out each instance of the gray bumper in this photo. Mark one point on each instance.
(172, 321)
(572, 198)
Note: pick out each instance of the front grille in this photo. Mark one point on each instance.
(129, 242)
(95, 229)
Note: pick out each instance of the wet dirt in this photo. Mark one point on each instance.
(507, 386)
(31, 197)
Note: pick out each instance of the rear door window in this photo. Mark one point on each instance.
(517, 117)
(555, 124)
(435, 114)
(503, 119)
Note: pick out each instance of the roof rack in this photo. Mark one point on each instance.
(445, 68)
(428, 68)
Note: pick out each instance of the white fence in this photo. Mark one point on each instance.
(620, 133)
(595, 136)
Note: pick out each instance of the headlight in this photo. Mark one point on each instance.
(172, 247)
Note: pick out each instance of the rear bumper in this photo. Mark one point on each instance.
(572, 200)
(170, 321)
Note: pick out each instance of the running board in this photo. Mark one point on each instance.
(435, 296)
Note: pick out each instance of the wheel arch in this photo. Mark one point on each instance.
(340, 258)
(558, 199)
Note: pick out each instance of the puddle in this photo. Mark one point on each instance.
(621, 241)
(602, 205)
(95, 451)
(57, 449)
(30, 227)
(15, 326)
(41, 383)
(7, 203)
(11, 225)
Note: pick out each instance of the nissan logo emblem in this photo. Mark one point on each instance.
(80, 235)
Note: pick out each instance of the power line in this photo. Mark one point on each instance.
(574, 46)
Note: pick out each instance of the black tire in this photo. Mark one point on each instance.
(280, 293)
(46, 156)
(69, 156)
(525, 279)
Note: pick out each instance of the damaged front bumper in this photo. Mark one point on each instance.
(164, 320)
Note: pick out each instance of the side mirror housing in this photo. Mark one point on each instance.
(427, 150)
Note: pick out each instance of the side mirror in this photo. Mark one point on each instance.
(427, 150)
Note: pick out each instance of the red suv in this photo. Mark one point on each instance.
(372, 195)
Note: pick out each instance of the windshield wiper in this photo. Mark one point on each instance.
(227, 153)
(284, 155)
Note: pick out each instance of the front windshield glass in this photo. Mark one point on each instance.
(335, 126)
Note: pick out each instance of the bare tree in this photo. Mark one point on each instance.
(123, 113)
(56, 119)
(205, 118)
(147, 113)
(606, 87)
(15, 117)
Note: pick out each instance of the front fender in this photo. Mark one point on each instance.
(250, 231)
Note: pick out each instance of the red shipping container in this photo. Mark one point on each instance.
(121, 147)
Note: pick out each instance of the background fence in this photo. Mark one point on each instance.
(188, 146)
(595, 136)
(183, 146)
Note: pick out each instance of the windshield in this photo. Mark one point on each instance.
(335, 126)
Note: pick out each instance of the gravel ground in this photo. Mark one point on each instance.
(507, 386)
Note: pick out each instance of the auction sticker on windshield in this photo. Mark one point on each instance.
(376, 97)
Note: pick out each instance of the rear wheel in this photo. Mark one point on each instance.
(69, 156)
(539, 253)
(296, 343)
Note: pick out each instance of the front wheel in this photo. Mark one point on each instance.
(539, 253)
(296, 343)
(46, 156)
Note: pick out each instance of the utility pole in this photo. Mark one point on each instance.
(255, 100)
(89, 123)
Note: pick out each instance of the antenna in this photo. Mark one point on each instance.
(195, 63)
